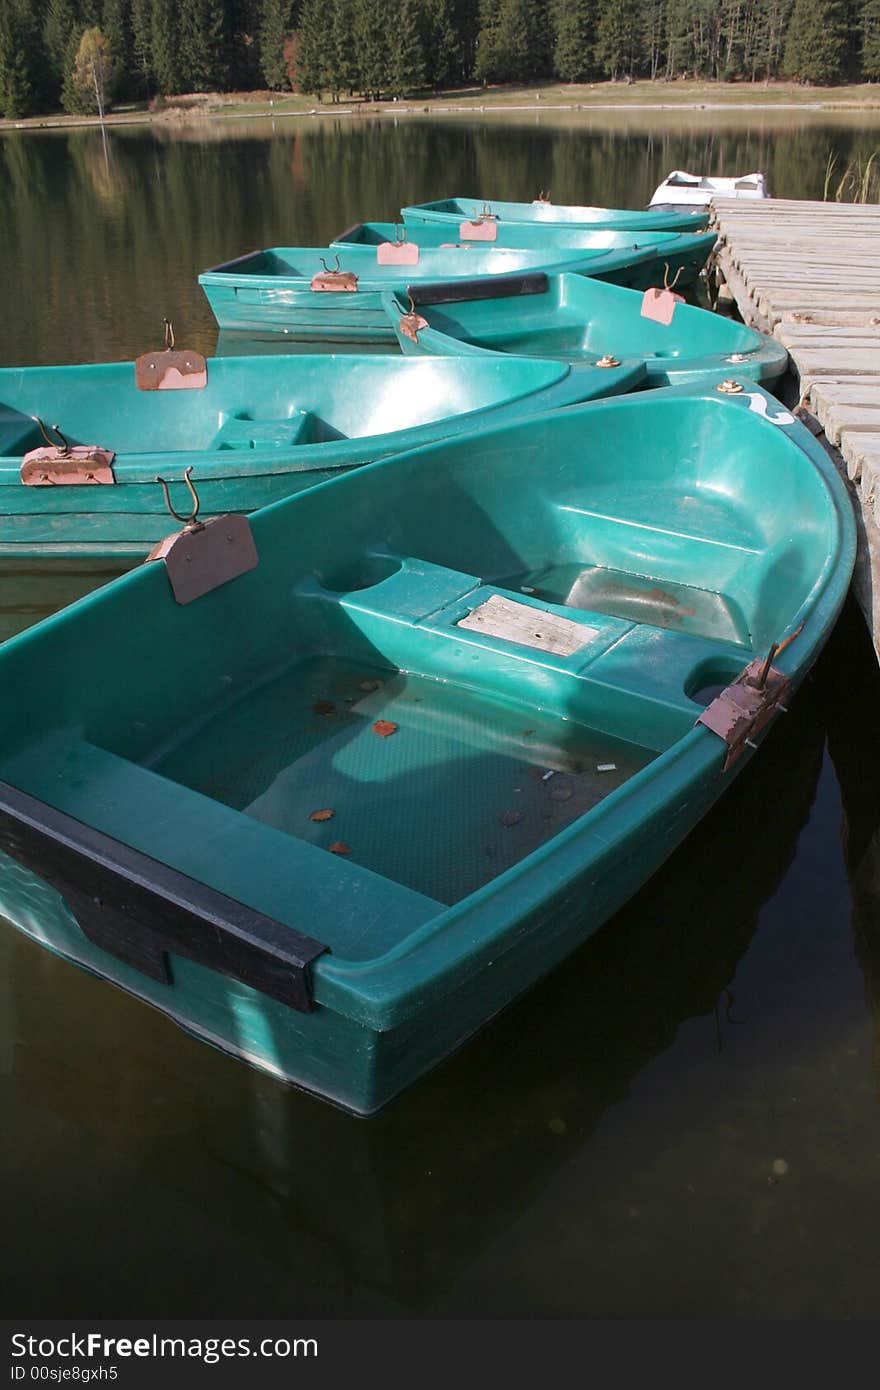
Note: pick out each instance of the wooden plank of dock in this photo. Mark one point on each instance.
(809, 273)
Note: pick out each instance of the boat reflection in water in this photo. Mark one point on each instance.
(849, 679)
(318, 1210)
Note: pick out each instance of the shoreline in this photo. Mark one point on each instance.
(192, 109)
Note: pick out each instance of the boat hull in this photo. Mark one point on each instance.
(619, 257)
(424, 729)
(262, 429)
(576, 320)
(358, 1067)
(276, 290)
(452, 211)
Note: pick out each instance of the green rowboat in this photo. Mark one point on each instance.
(454, 211)
(573, 319)
(640, 260)
(338, 811)
(334, 294)
(260, 429)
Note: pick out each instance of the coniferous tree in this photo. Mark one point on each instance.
(372, 21)
(817, 40)
(142, 43)
(442, 47)
(514, 41)
(273, 32)
(869, 55)
(406, 50)
(202, 41)
(617, 38)
(166, 60)
(488, 57)
(344, 60)
(16, 88)
(116, 26)
(58, 24)
(466, 23)
(71, 96)
(574, 27)
(243, 19)
(314, 50)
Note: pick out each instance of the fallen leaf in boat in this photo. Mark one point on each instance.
(511, 818)
(323, 707)
(562, 792)
(370, 685)
(339, 847)
(384, 728)
(325, 814)
(526, 732)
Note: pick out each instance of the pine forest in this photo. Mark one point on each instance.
(84, 56)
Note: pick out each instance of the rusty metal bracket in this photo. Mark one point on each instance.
(743, 709)
(335, 279)
(411, 323)
(205, 554)
(484, 228)
(173, 369)
(54, 464)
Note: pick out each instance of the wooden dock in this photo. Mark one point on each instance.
(809, 273)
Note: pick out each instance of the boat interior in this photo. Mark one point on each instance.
(427, 234)
(443, 261)
(248, 404)
(439, 665)
(575, 319)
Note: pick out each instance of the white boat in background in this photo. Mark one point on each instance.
(696, 190)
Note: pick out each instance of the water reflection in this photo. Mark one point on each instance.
(109, 231)
(849, 679)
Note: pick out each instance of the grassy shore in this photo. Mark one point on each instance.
(560, 96)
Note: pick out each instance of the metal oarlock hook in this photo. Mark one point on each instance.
(666, 284)
(772, 655)
(186, 520)
(169, 334)
(327, 269)
(412, 302)
(63, 447)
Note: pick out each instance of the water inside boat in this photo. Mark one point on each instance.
(464, 787)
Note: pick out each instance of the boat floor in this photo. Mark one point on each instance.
(423, 782)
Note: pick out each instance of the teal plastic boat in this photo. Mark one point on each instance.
(639, 260)
(335, 293)
(260, 429)
(401, 757)
(576, 320)
(454, 211)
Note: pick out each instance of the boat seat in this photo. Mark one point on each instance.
(242, 432)
(355, 912)
(410, 611)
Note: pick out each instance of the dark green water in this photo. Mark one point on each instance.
(682, 1121)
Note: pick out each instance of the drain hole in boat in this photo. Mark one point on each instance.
(707, 680)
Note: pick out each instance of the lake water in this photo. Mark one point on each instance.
(682, 1121)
